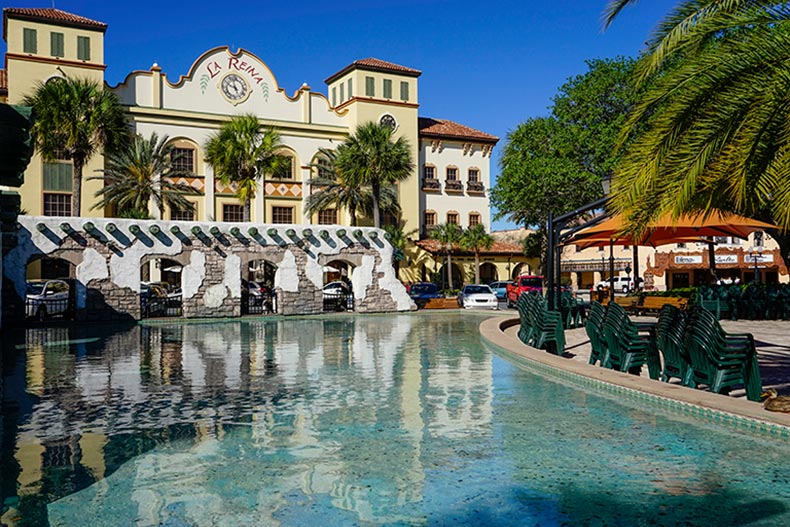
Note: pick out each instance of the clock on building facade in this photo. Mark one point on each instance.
(235, 88)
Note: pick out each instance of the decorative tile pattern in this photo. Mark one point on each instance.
(282, 190)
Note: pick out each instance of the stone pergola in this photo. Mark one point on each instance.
(107, 254)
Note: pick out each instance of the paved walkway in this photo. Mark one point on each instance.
(772, 339)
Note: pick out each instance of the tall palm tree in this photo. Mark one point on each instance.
(370, 156)
(142, 171)
(709, 129)
(474, 239)
(336, 189)
(447, 234)
(242, 154)
(75, 119)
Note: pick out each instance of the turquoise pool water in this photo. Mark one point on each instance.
(377, 420)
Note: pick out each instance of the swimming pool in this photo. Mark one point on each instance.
(349, 420)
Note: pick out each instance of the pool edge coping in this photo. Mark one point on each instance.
(720, 409)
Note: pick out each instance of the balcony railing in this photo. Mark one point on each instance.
(453, 185)
(475, 186)
(429, 183)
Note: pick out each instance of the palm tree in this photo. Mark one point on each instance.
(709, 128)
(447, 234)
(338, 190)
(74, 119)
(143, 171)
(476, 238)
(241, 154)
(371, 157)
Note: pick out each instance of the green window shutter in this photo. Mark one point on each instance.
(404, 91)
(342, 92)
(83, 48)
(30, 40)
(387, 89)
(334, 96)
(370, 87)
(57, 177)
(350, 91)
(56, 42)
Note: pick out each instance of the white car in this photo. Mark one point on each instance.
(621, 283)
(477, 296)
(45, 298)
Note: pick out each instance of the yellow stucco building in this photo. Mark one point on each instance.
(452, 173)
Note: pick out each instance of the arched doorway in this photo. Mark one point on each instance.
(258, 296)
(488, 273)
(50, 289)
(338, 291)
(160, 287)
(517, 270)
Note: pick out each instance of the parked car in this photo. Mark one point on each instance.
(154, 299)
(525, 283)
(45, 298)
(499, 289)
(477, 296)
(336, 296)
(621, 283)
(421, 292)
(257, 293)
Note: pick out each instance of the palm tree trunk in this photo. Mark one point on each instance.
(477, 266)
(375, 188)
(246, 210)
(76, 185)
(352, 211)
(449, 271)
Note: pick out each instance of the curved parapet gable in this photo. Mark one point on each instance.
(222, 82)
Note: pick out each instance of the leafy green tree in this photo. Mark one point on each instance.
(370, 156)
(448, 234)
(140, 172)
(709, 128)
(475, 239)
(75, 119)
(242, 154)
(556, 163)
(335, 189)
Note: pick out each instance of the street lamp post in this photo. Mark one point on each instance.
(554, 228)
(756, 254)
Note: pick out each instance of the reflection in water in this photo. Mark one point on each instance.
(401, 419)
(144, 421)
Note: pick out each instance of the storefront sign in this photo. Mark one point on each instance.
(758, 258)
(688, 260)
(727, 259)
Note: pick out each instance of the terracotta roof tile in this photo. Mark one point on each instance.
(3, 82)
(47, 14)
(443, 128)
(373, 64)
(432, 246)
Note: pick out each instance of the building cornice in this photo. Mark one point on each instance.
(57, 62)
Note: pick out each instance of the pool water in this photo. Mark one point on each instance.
(349, 420)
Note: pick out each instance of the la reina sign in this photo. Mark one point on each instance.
(214, 68)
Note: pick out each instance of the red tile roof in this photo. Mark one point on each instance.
(432, 246)
(3, 82)
(372, 64)
(47, 14)
(444, 129)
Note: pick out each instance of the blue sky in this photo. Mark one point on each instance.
(488, 65)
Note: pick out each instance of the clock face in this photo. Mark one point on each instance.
(388, 121)
(234, 88)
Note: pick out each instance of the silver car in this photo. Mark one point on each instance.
(45, 298)
(477, 296)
